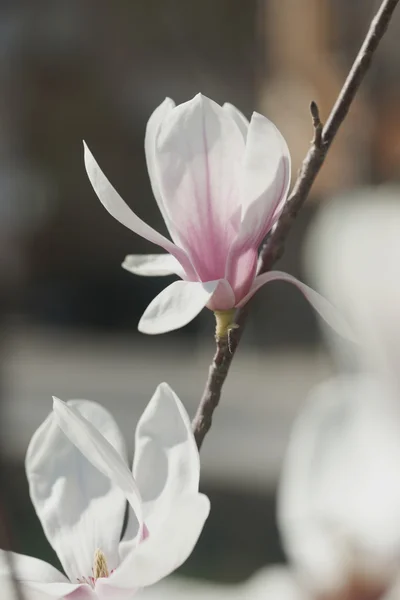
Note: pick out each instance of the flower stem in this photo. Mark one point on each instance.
(224, 323)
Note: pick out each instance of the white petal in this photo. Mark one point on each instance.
(71, 497)
(323, 307)
(37, 579)
(114, 204)
(354, 255)
(176, 306)
(152, 129)
(167, 547)
(166, 463)
(29, 568)
(199, 157)
(339, 500)
(272, 583)
(238, 117)
(266, 179)
(98, 450)
(153, 265)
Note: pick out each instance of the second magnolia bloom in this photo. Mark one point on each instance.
(221, 184)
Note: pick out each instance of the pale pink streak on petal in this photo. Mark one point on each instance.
(241, 271)
(114, 204)
(323, 307)
(58, 591)
(176, 306)
(199, 156)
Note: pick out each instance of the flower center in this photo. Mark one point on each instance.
(99, 569)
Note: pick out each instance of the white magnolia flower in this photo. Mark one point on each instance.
(339, 501)
(354, 255)
(339, 495)
(79, 483)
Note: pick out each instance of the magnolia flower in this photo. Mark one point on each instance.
(354, 254)
(221, 184)
(79, 484)
(339, 494)
(339, 500)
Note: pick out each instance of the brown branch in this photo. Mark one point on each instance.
(274, 246)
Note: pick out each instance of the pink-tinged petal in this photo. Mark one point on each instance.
(37, 579)
(176, 306)
(58, 591)
(152, 129)
(167, 546)
(223, 298)
(71, 497)
(241, 270)
(114, 204)
(199, 156)
(98, 450)
(323, 307)
(153, 265)
(238, 117)
(266, 179)
(166, 463)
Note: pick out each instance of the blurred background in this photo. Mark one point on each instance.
(95, 70)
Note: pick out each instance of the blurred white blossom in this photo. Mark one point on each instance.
(339, 496)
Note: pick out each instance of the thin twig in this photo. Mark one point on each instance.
(274, 247)
(314, 110)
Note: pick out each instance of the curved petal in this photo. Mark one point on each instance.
(199, 156)
(152, 129)
(354, 254)
(273, 583)
(114, 204)
(71, 497)
(166, 463)
(38, 579)
(339, 495)
(176, 306)
(153, 265)
(100, 452)
(238, 117)
(167, 547)
(27, 568)
(241, 270)
(323, 307)
(266, 180)
(223, 298)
